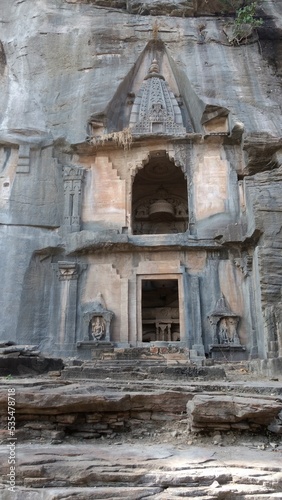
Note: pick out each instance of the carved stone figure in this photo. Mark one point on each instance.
(224, 323)
(222, 331)
(98, 327)
(97, 320)
(232, 330)
(227, 331)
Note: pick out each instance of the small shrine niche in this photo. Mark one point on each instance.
(97, 320)
(226, 342)
(159, 198)
(97, 328)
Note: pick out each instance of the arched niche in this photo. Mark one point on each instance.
(159, 198)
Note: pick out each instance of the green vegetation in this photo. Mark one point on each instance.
(246, 20)
(246, 15)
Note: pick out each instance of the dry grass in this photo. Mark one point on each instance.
(121, 139)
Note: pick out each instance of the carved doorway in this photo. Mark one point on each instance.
(159, 198)
(160, 310)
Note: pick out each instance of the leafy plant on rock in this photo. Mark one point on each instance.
(245, 22)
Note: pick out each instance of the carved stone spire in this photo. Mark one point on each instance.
(154, 71)
(155, 110)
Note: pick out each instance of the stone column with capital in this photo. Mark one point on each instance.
(67, 273)
(193, 313)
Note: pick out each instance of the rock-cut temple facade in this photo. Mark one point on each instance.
(141, 189)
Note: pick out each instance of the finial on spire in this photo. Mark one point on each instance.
(154, 70)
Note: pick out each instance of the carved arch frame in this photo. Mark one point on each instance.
(178, 155)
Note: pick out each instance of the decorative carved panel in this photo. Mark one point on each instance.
(73, 177)
(156, 110)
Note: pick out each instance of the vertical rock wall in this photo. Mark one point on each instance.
(64, 61)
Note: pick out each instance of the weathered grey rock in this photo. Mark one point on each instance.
(30, 363)
(6, 343)
(76, 399)
(22, 349)
(231, 412)
(161, 472)
(69, 65)
(162, 8)
(177, 8)
(83, 63)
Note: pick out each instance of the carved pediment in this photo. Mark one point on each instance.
(156, 98)
(155, 110)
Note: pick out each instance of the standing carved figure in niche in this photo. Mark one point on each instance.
(232, 330)
(224, 323)
(227, 331)
(98, 328)
(222, 331)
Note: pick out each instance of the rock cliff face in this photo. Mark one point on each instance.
(70, 73)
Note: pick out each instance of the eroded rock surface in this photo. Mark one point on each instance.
(129, 439)
(231, 412)
(160, 472)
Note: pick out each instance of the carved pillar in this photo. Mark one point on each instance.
(187, 309)
(193, 313)
(67, 273)
(279, 329)
(124, 311)
(196, 321)
(245, 265)
(132, 310)
(213, 322)
(73, 177)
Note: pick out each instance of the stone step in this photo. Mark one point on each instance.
(136, 353)
(124, 362)
(164, 371)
